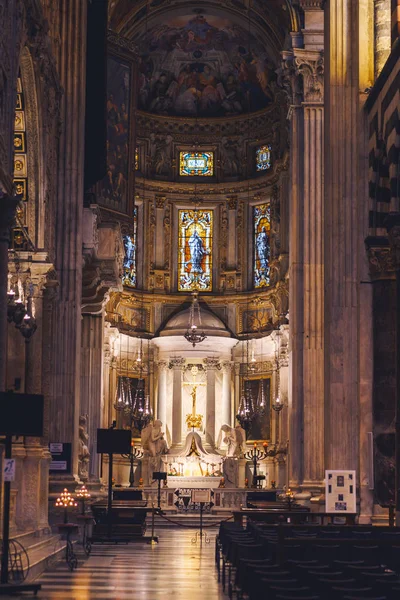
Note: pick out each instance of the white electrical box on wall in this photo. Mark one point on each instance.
(340, 492)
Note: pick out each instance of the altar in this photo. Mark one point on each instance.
(192, 482)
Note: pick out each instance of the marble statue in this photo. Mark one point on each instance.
(154, 447)
(153, 442)
(83, 452)
(197, 251)
(234, 438)
(262, 245)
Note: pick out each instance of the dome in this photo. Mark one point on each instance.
(210, 324)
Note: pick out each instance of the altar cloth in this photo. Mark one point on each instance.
(192, 482)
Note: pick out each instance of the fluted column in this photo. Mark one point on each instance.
(66, 335)
(210, 365)
(303, 74)
(162, 392)
(7, 212)
(226, 413)
(34, 496)
(341, 234)
(91, 384)
(176, 364)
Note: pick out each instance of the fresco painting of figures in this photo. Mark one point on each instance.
(115, 184)
(203, 66)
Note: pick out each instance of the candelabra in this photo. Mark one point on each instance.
(255, 455)
(135, 454)
(289, 498)
(66, 500)
(82, 494)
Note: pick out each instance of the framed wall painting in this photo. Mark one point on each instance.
(116, 188)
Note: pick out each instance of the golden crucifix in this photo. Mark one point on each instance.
(193, 420)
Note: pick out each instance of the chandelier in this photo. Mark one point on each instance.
(134, 402)
(245, 413)
(193, 335)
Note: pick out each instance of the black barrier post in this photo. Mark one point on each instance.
(6, 517)
(109, 504)
(201, 521)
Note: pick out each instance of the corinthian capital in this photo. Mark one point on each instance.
(302, 76)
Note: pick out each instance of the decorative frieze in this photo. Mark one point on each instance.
(176, 363)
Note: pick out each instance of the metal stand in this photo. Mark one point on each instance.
(200, 535)
(154, 538)
(109, 503)
(5, 587)
(86, 541)
(70, 556)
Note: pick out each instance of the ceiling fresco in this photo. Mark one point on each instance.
(203, 65)
(208, 60)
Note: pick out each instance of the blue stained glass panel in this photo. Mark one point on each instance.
(263, 158)
(129, 275)
(262, 249)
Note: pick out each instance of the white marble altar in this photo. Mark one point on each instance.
(193, 482)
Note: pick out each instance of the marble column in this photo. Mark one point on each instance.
(34, 496)
(302, 71)
(162, 392)
(91, 384)
(226, 413)
(66, 335)
(236, 398)
(176, 364)
(340, 234)
(210, 364)
(7, 213)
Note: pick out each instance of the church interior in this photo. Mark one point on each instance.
(200, 298)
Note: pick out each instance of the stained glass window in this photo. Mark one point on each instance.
(262, 251)
(137, 163)
(195, 250)
(196, 164)
(129, 276)
(263, 158)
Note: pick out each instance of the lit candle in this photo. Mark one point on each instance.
(265, 444)
(255, 444)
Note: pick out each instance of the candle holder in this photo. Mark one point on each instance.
(134, 455)
(82, 494)
(255, 456)
(289, 498)
(66, 500)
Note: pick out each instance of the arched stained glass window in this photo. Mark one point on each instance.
(262, 251)
(129, 276)
(263, 158)
(195, 250)
(196, 164)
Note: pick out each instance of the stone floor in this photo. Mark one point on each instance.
(174, 568)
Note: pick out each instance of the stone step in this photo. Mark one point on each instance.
(41, 551)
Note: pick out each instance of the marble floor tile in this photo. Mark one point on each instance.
(175, 568)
